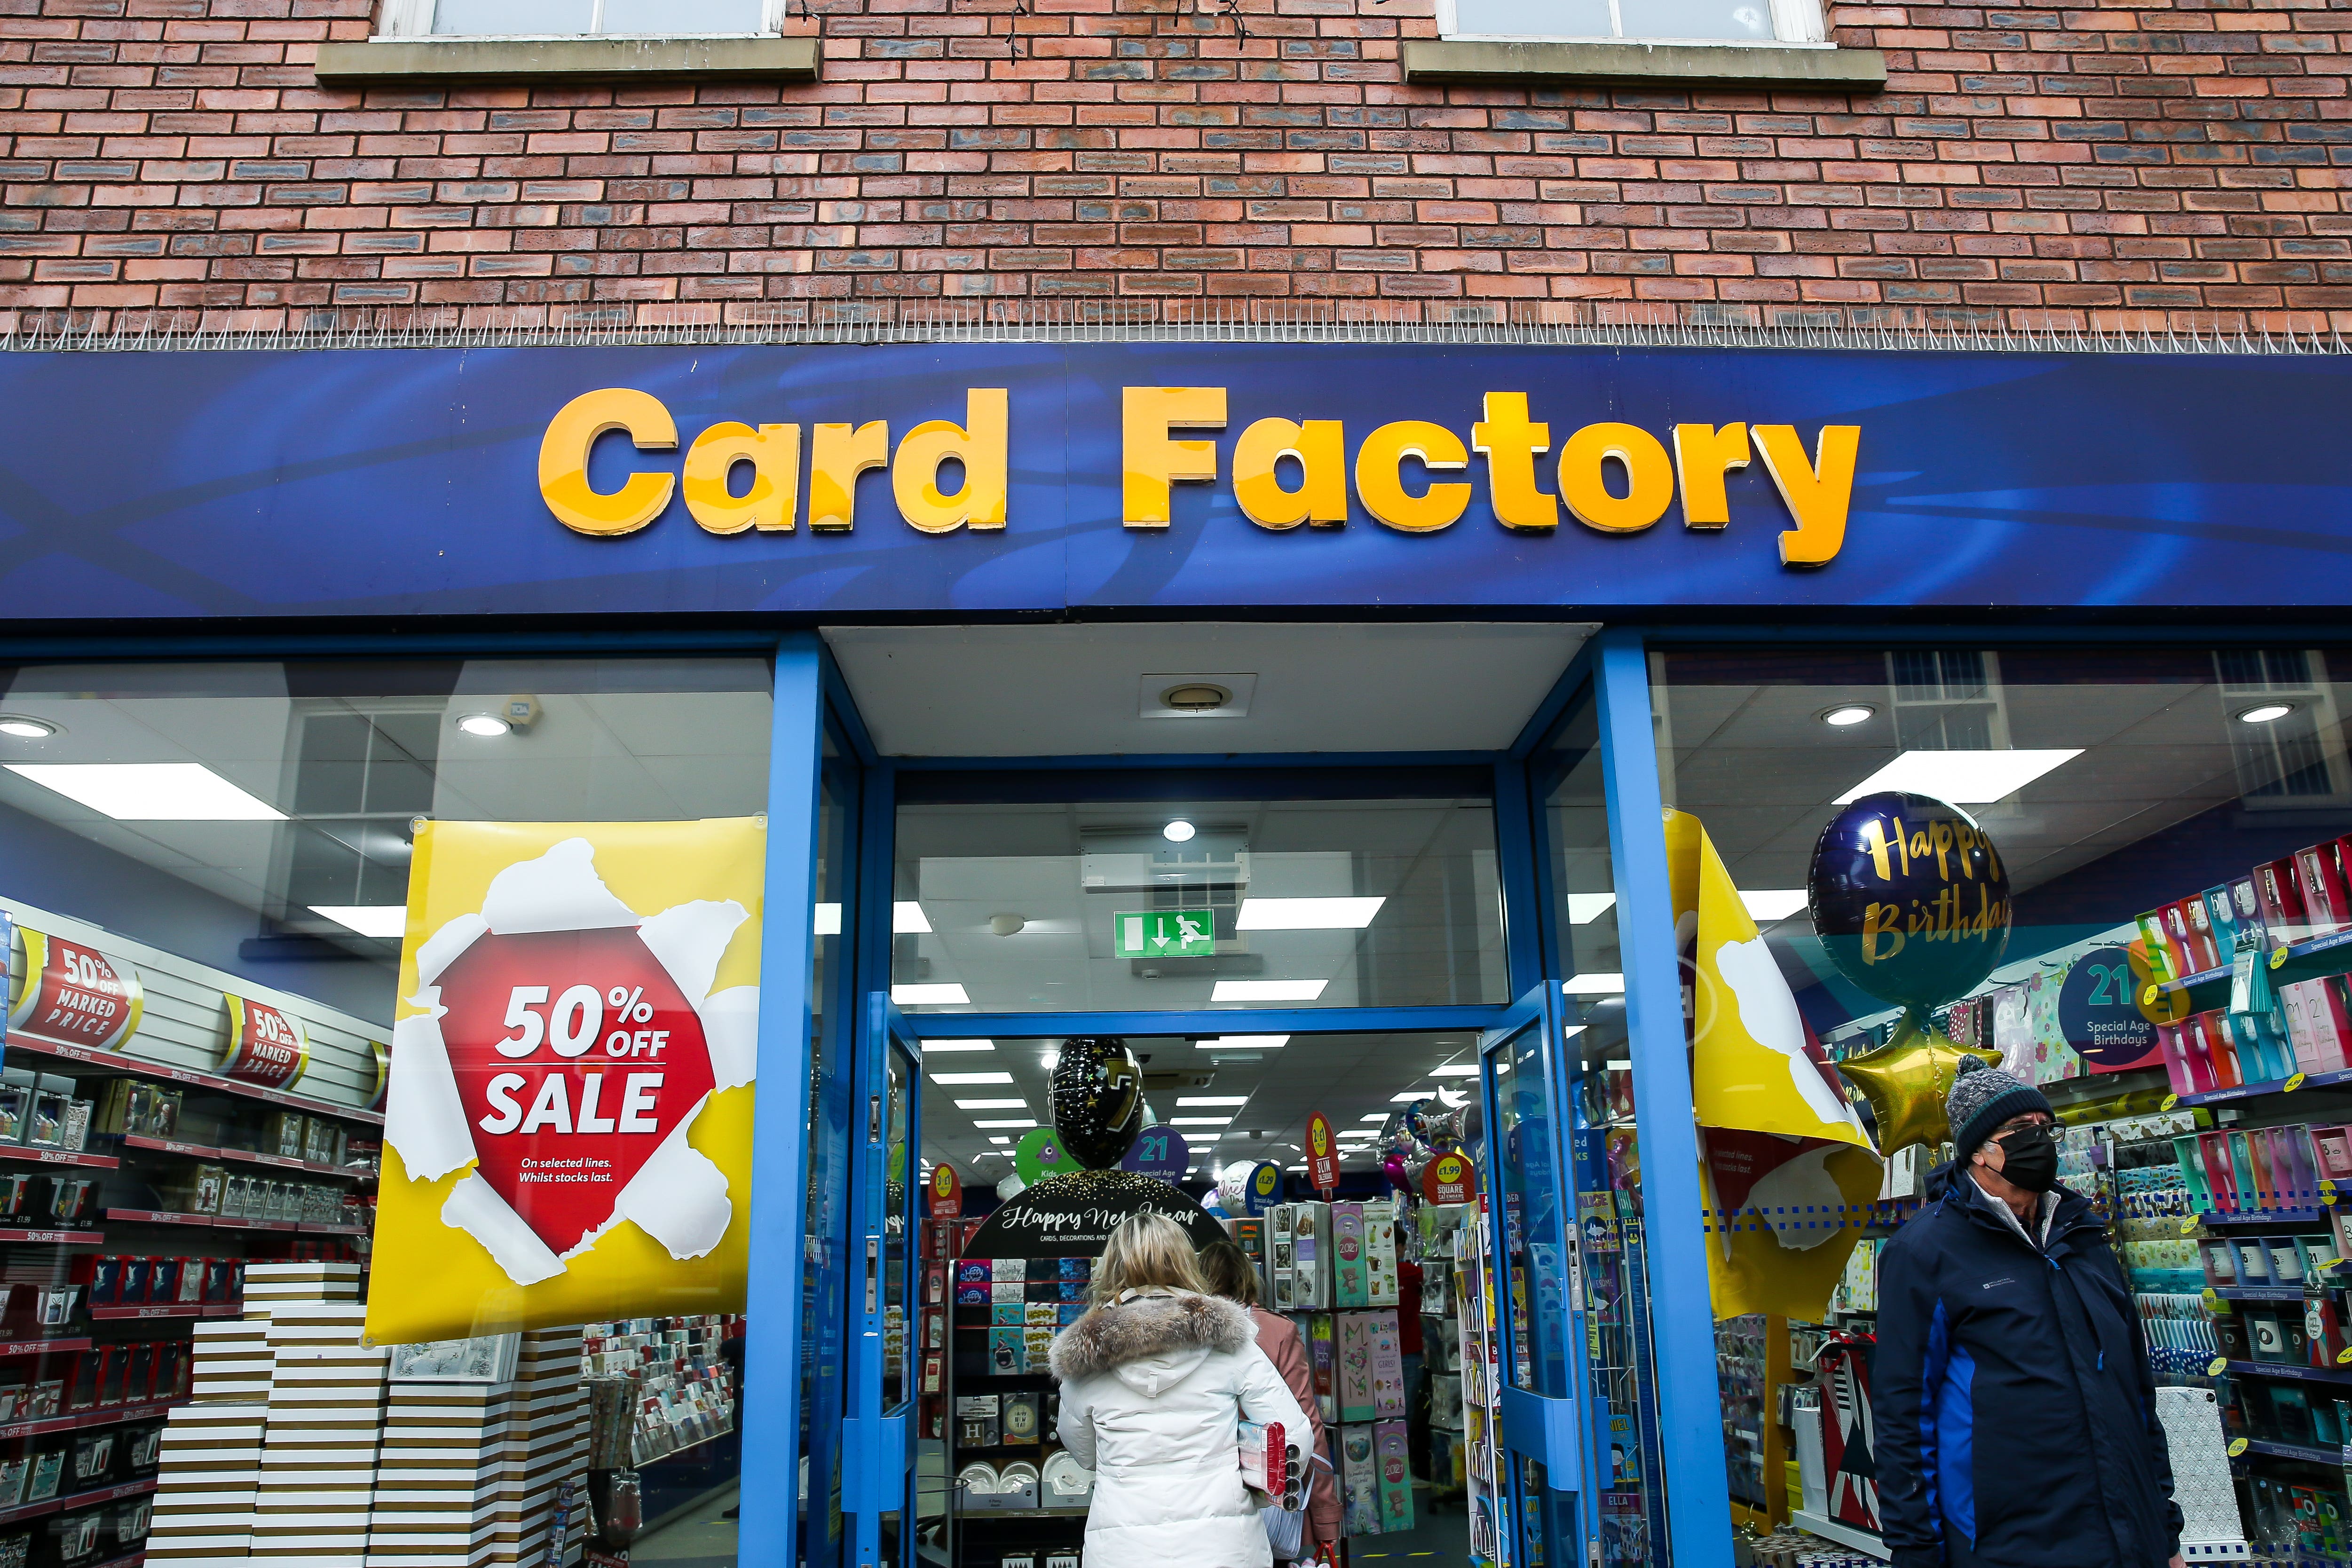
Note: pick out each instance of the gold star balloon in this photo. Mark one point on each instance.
(1905, 1081)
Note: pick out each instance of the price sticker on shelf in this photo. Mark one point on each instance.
(2292, 1084)
(2171, 1101)
(2189, 1225)
(2344, 1356)
(2147, 997)
(2213, 1300)
(2278, 957)
(2237, 1447)
(2221, 1364)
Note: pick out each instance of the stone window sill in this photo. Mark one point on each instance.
(577, 59)
(1697, 65)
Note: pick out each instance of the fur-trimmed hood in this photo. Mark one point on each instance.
(1174, 1325)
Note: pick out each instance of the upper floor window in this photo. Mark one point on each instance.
(1649, 21)
(581, 18)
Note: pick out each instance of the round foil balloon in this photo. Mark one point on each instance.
(1098, 1099)
(1910, 898)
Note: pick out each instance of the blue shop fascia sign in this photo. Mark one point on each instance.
(1003, 477)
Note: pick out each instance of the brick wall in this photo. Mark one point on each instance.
(2140, 162)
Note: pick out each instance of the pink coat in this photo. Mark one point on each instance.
(1277, 1336)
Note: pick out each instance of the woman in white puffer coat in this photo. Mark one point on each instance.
(1156, 1379)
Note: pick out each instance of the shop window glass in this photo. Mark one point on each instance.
(200, 865)
(1055, 906)
(1608, 1285)
(832, 993)
(1710, 21)
(2171, 822)
(591, 17)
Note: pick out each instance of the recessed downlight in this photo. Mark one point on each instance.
(1196, 696)
(1179, 832)
(25, 726)
(2267, 712)
(1846, 714)
(487, 726)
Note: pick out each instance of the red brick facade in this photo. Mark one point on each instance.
(2140, 162)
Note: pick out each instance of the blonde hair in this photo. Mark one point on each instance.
(1146, 1251)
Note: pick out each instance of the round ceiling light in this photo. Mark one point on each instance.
(1195, 696)
(488, 726)
(2268, 712)
(24, 726)
(1848, 714)
(1179, 832)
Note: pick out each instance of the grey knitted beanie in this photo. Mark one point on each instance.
(1982, 1097)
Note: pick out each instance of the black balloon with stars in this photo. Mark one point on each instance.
(1098, 1099)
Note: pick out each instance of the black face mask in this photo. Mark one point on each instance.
(2029, 1159)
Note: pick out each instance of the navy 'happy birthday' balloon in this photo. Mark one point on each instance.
(1910, 898)
(1097, 1098)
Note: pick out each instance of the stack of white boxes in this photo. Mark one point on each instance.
(211, 1458)
(469, 1472)
(297, 1450)
(326, 1412)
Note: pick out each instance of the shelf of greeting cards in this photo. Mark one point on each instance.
(2296, 960)
(82, 1419)
(223, 1222)
(242, 1156)
(2334, 1457)
(2339, 1376)
(2337, 1078)
(117, 1064)
(57, 1156)
(79, 1500)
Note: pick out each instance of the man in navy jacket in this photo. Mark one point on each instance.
(2015, 1414)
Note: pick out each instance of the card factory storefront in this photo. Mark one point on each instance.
(613, 926)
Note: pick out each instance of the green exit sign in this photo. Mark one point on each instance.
(1164, 934)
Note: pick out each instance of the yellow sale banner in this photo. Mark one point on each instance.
(568, 1125)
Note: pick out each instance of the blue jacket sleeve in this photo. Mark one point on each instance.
(1907, 1378)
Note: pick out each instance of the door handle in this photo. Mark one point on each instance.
(1544, 1428)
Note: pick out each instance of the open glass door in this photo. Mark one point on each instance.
(878, 1438)
(1524, 1514)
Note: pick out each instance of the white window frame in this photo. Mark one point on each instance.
(413, 19)
(1796, 25)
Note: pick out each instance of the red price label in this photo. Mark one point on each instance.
(265, 1044)
(1322, 1155)
(76, 995)
(1449, 1178)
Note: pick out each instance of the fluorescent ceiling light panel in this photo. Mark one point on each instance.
(998, 1138)
(1409, 1096)
(1773, 902)
(1462, 1070)
(1213, 1099)
(1962, 778)
(1584, 908)
(906, 917)
(1009, 1121)
(367, 919)
(933, 994)
(1199, 1121)
(1593, 985)
(936, 1047)
(992, 1104)
(149, 791)
(1242, 1042)
(972, 1078)
(828, 921)
(1267, 990)
(1374, 1116)
(1307, 913)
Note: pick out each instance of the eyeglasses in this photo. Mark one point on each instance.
(2050, 1130)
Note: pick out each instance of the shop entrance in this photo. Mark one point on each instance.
(1414, 947)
